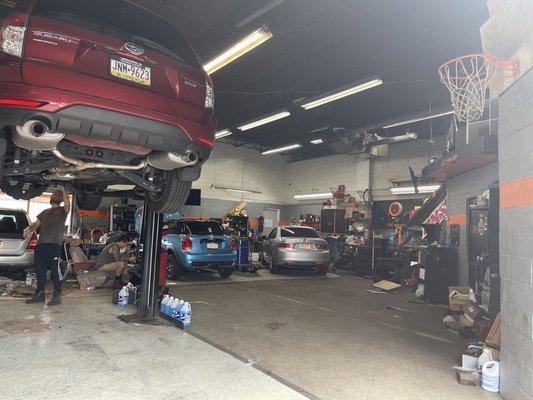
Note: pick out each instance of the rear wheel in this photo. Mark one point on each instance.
(387, 270)
(174, 267)
(173, 195)
(274, 269)
(322, 270)
(88, 200)
(225, 272)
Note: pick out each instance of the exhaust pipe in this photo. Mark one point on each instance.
(82, 165)
(171, 161)
(36, 135)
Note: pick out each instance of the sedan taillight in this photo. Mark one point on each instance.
(186, 244)
(13, 33)
(286, 245)
(32, 244)
(322, 246)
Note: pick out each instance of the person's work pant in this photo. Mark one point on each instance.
(46, 255)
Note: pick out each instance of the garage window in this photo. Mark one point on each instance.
(123, 20)
(12, 223)
(204, 228)
(299, 233)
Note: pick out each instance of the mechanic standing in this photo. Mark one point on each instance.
(52, 227)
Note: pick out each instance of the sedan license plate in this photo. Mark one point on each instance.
(305, 246)
(212, 246)
(130, 70)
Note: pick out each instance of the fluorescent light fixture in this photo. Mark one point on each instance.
(282, 149)
(317, 141)
(411, 189)
(412, 121)
(264, 120)
(223, 133)
(235, 190)
(311, 196)
(240, 48)
(341, 93)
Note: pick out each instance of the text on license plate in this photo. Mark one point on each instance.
(305, 246)
(130, 70)
(212, 246)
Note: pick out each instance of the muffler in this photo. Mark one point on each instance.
(36, 135)
(171, 161)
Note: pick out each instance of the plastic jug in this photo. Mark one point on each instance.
(163, 305)
(175, 309)
(490, 376)
(168, 305)
(185, 314)
(485, 357)
(123, 297)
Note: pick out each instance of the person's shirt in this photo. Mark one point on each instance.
(52, 225)
(110, 254)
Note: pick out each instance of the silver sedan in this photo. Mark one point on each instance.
(295, 247)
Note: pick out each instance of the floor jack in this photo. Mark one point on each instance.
(154, 271)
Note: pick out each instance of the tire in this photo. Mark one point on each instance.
(88, 201)
(322, 271)
(174, 195)
(387, 270)
(274, 269)
(225, 273)
(174, 267)
(264, 262)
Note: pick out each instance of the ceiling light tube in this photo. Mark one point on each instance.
(264, 120)
(317, 141)
(282, 149)
(235, 190)
(240, 48)
(341, 93)
(223, 133)
(412, 121)
(312, 196)
(411, 190)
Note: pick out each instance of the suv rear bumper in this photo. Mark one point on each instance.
(25, 260)
(73, 113)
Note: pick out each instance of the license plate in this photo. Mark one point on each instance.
(130, 70)
(305, 246)
(212, 246)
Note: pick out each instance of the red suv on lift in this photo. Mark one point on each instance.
(98, 93)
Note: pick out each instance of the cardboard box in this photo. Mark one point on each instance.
(494, 338)
(471, 310)
(457, 304)
(466, 377)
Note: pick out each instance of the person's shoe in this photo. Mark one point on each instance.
(55, 301)
(118, 284)
(37, 298)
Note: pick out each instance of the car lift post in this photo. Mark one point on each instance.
(151, 240)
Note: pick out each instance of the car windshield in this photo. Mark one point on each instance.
(12, 223)
(295, 232)
(121, 19)
(199, 228)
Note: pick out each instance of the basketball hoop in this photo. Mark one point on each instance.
(468, 78)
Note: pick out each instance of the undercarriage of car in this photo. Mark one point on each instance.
(35, 158)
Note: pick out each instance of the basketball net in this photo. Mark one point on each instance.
(468, 80)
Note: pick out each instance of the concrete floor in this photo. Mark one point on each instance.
(80, 350)
(331, 338)
(290, 336)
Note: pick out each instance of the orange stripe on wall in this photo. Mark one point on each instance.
(457, 219)
(517, 193)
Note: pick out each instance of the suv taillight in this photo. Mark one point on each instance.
(233, 245)
(32, 244)
(186, 244)
(209, 96)
(13, 33)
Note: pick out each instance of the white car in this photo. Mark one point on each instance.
(16, 252)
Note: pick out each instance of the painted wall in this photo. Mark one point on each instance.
(516, 237)
(243, 168)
